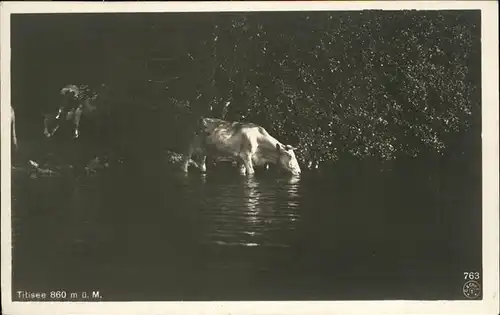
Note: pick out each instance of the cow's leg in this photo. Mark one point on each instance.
(247, 150)
(247, 161)
(46, 127)
(46, 131)
(59, 113)
(203, 164)
(76, 120)
(187, 157)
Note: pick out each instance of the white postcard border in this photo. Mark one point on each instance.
(490, 105)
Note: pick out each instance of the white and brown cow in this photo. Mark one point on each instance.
(246, 143)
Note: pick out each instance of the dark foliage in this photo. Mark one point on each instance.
(361, 84)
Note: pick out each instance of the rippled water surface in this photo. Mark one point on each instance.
(149, 234)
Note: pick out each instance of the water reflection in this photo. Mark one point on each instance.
(220, 235)
(214, 208)
(250, 211)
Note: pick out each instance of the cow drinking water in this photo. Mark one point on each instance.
(246, 143)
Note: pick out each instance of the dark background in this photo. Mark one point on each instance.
(369, 84)
(359, 93)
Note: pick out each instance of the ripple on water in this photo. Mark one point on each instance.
(248, 212)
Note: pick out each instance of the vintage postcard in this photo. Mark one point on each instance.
(315, 157)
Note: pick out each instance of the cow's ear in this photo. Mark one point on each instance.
(290, 148)
(278, 147)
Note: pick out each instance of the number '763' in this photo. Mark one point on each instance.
(471, 275)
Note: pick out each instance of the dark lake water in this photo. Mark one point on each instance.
(143, 233)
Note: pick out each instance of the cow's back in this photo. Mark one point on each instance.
(224, 138)
(211, 124)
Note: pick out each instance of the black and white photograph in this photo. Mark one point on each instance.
(254, 157)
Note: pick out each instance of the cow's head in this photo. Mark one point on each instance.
(287, 159)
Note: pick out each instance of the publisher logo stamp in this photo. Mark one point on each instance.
(471, 289)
